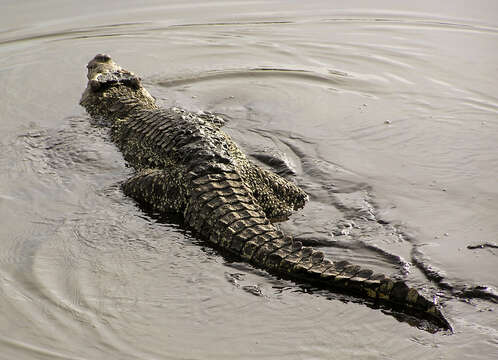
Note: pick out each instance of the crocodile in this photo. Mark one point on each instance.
(185, 164)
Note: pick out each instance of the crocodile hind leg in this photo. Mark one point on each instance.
(278, 197)
(163, 190)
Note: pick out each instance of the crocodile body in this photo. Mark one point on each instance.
(185, 164)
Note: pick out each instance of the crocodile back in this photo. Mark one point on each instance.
(160, 138)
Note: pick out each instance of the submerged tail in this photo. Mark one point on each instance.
(221, 210)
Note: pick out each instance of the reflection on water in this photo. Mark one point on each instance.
(386, 116)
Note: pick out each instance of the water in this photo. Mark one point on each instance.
(385, 113)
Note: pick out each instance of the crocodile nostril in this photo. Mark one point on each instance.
(102, 57)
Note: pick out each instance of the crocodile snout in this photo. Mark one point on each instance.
(101, 58)
(101, 64)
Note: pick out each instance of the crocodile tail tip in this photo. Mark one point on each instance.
(310, 265)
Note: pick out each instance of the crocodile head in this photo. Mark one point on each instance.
(108, 85)
(103, 72)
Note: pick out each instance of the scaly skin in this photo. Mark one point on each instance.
(185, 164)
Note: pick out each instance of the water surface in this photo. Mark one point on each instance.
(386, 115)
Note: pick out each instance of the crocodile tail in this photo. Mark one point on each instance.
(222, 211)
(306, 264)
(289, 259)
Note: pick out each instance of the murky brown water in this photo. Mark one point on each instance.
(385, 112)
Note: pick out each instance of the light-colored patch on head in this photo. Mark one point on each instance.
(104, 72)
(101, 64)
(106, 77)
